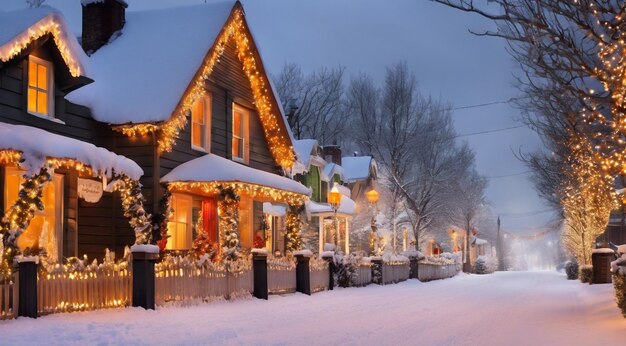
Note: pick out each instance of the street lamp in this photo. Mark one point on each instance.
(372, 197)
(334, 199)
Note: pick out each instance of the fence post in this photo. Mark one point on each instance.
(377, 271)
(143, 277)
(303, 274)
(27, 291)
(331, 270)
(413, 273)
(259, 268)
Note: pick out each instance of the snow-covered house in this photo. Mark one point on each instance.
(40, 63)
(181, 91)
(322, 168)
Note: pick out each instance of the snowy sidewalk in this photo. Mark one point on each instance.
(516, 308)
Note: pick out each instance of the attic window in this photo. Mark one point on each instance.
(201, 124)
(240, 140)
(40, 87)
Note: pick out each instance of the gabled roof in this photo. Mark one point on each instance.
(20, 28)
(142, 75)
(357, 167)
(304, 149)
(331, 169)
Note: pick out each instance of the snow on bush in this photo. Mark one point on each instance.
(571, 270)
(437, 260)
(619, 283)
(413, 253)
(586, 274)
(485, 265)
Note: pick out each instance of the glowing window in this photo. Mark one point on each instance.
(179, 225)
(40, 87)
(201, 124)
(240, 134)
(45, 230)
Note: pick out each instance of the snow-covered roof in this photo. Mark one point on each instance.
(479, 241)
(346, 207)
(19, 28)
(142, 75)
(331, 169)
(274, 209)
(213, 168)
(37, 145)
(357, 167)
(304, 149)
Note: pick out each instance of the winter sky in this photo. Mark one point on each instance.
(367, 36)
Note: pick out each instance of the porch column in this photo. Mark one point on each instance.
(347, 246)
(320, 221)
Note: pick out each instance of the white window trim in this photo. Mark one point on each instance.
(206, 148)
(246, 133)
(188, 228)
(50, 91)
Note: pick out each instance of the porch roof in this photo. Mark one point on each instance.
(37, 146)
(211, 168)
(346, 207)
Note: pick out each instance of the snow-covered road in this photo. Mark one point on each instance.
(515, 308)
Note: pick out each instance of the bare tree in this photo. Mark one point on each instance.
(314, 102)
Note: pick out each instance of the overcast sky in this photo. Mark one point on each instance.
(367, 36)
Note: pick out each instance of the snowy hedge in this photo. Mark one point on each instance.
(485, 265)
(571, 270)
(618, 267)
(586, 274)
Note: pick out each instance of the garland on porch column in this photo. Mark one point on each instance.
(293, 229)
(228, 211)
(19, 216)
(160, 219)
(132, 204)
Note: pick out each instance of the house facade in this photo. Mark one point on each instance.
(186, 107)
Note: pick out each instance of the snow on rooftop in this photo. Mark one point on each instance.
(331, 169)
(346, 207)
(303, 149)
(356, 167)
(213, 168)
(142, 75)
(18, 27)
(37, 145)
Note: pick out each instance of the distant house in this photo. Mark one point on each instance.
(321, 169)
(182, 92)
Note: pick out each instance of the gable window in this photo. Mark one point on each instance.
(240, 140)
(179, 225)
(201, 124)
(40, 87)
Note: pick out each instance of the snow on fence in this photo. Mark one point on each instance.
(98, 287)
(363, 274)
(281, 275)
(318, 274)
(187, 281)
(395, 271)
(8, 298)
(428, 271)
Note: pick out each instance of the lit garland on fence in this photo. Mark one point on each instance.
(235, 28)
(51, 24)
(293, 229)
(252, 190)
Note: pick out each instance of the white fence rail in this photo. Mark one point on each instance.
(183, 281)
(8, 298)
(363, 275)
(428, 272)
(318, 275)
(79, 291)
(395, 272)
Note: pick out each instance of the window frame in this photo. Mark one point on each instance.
(206, 146)
(49, 91)
(171, 244)
(245, 137)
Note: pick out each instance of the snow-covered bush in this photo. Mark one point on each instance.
(413, 253)
(437, 260)
(485, 265)
(571, 270)
(346, 269)
(586, 274)
(618, 267)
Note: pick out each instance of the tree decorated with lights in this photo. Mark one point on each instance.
(293, 229)
(588, 198)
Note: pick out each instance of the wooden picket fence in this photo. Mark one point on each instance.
(78, 291)
(318, 275)
(9, 298)
(364, 274)
(428, 272)
(281, 275)
(394, 272)
(181, 281)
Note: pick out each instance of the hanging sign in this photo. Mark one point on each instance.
(89, 190)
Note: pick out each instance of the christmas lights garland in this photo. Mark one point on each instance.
(228, 212)
(293, 229)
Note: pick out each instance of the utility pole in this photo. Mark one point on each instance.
(500, 249)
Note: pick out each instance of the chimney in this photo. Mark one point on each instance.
(101, 19)
(332, 153)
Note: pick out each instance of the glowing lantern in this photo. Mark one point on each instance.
(334, 197)
(372, 196)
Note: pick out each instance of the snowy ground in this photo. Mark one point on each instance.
(516, 308)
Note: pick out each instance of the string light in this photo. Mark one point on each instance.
(269, 113)
(51, 24)
(252, 190)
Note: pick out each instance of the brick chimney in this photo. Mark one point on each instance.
(332, 153)
(101, 19)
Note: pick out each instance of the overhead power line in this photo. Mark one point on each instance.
(487, 104)
(527, 214)
(488, 131)
(507, 175)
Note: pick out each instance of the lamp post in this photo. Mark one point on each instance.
(334, 199)
(372, 197)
